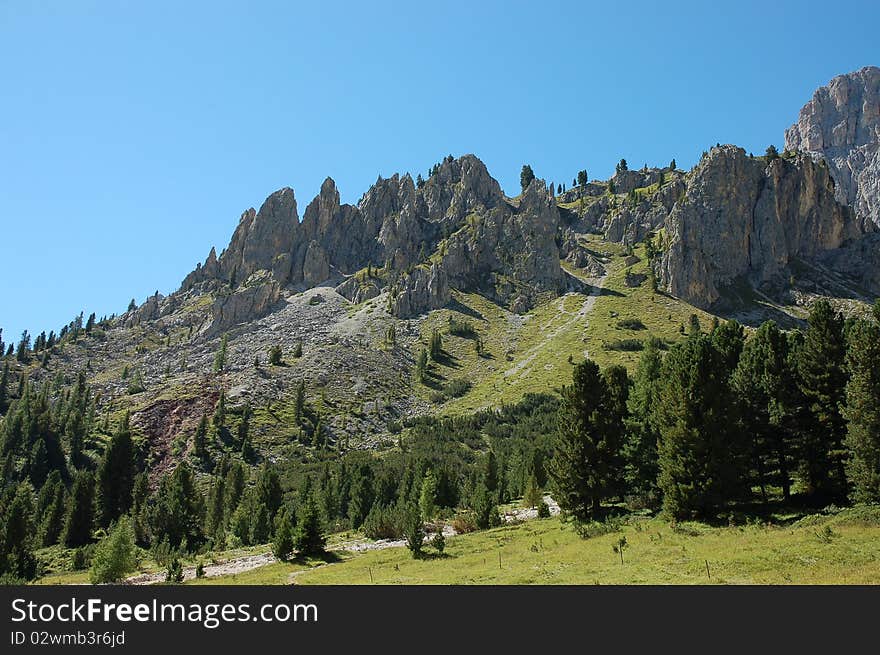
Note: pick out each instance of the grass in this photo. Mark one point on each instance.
(550, 552)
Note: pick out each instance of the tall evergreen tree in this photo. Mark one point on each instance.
(587, 454)
(17, 559)
(179, 510)
(699, 454)
(526, 176)
(116, 476)
(640, 450)
(823, 383)
(309, 538)
(80, 511)
(765, 387)
(862, 412)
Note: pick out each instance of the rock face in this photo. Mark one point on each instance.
(745, 217)
(842, 125)
(458, 218)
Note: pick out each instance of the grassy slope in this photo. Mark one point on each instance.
(531, 353)
(549, 552)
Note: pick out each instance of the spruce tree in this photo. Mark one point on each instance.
(862, 412)
(699, 453)
(116, 476)
(200, 438)
(299, 401)
(309, 538)
(765, 388)
(52, 512)
(221, 356)
(640, 448)
(587, 451)
(179, 510)
(114, 556)
(282, 545)
(80, 512)
(823, 383)
(526, 176)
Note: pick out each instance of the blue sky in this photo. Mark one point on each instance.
(133, 135)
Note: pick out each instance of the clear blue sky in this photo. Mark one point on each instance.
(132, 135)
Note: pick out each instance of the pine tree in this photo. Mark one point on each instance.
(532, 496)
(200, 438)
(282, 545)
(215, 525)
(422, 365)
(587, 451)
(53, 502)
(179, 510)
(139, 509)
(640, 449)
(309, 537)
(298, 349)
(80, 513)
(116, 476)
(823, 383)
(526, 176)
(699, 454)
(428, 496)
(414, 531)
(220, 357)
(17, 559)
(4, 387)
(38, 464)
(435, 346)
(765, 387)
(299, 401)
(862, 412)
(275, 356)
(114, 556)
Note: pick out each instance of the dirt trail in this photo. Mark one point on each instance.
(249, 562)
(587, 306)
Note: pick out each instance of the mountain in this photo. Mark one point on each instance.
(518, 287)
(841, 125)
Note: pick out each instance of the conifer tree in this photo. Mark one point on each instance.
(435, 346)
(526, 176)
(220, 357)
(309, 537)
(640, 448)
(587, 452)
(179, 510)
(200, 438)
(428, 496)
(17, 559)
(116, 476)
(299, 401)
(699, 453)
(862, 412)
(765, 387)
(823, 383)
(282, 545)
(80, 512)
(114, 556)
(140, 509)
(53, 498)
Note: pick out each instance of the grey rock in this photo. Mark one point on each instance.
(744, 218)
(841, 124)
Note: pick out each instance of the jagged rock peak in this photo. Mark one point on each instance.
(841, 123)
(746, 217)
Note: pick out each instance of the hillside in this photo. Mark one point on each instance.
(336, 364)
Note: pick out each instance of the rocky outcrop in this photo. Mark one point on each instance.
(509, 252)
(252, 300)
(425, 288)
(744, 217)
(841, 124)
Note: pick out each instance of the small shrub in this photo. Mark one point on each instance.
(590, 529)
(543, 510)
(626, 345)
(174, 572)
(200, 570)
(275, 356)
(383, 523)
(457, 388)
(631, 324)
(439, 541)
(463, 329)
(464, 523)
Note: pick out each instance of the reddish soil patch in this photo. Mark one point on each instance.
(162, 421)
